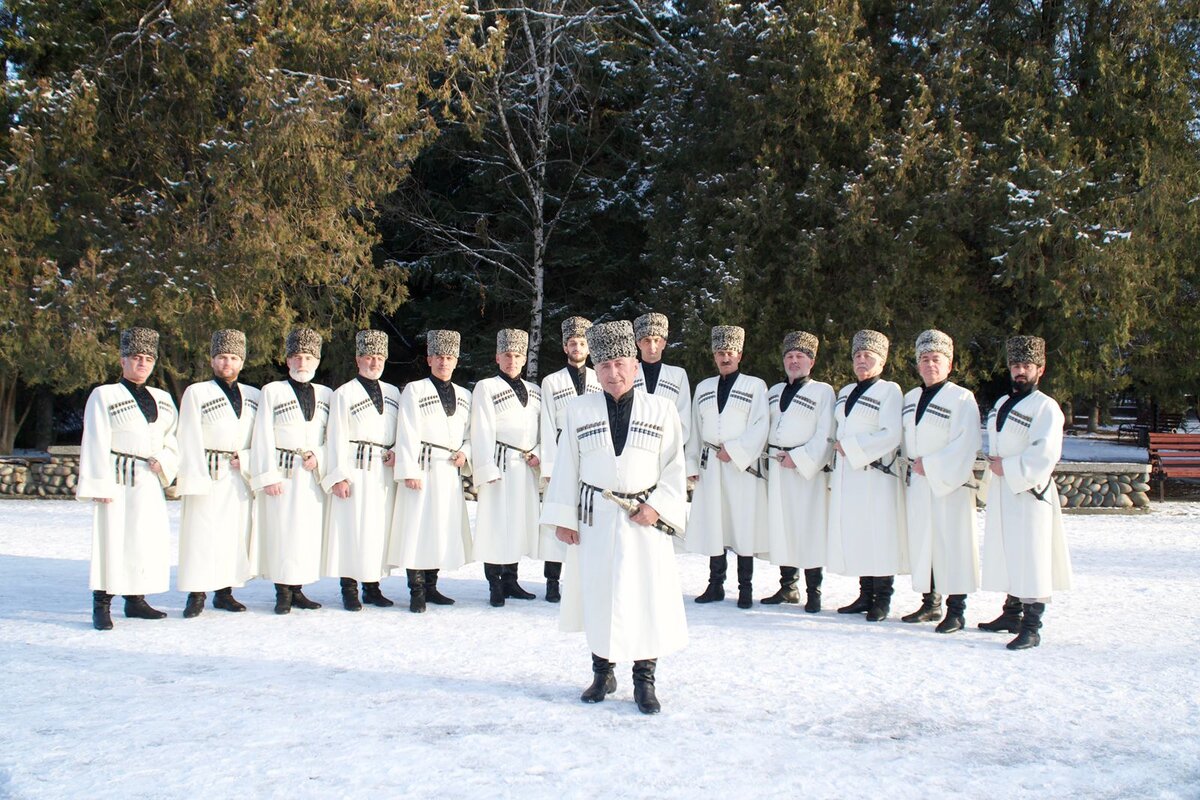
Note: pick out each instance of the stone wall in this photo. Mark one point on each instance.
(52, 475)
(1086, 487)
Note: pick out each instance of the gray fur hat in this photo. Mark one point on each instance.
(371, 343)
(610, 340)
(872, 341)
(934, 341)
(303, 340)
(800, 340)
(728, 337)
(442, 343)
(511, 340)
(575, 326)
(227, 340)
(1027, 350)
(139, 342)
(652, 324)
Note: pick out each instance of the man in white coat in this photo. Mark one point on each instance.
(798, 450)
(1024, 547)
(216, 423)
(941, 440)
(128, 457)
(505, 415)
(866, 503)
(430, 529)
(360, 451)
(730, 423)
(656, 378)
(622, 588)
(286, 457)
(558, 389)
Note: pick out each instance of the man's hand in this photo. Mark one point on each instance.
(646, 515)
(837, 446)
(785, 459)
(458, 459)
(918, 467)
(105, 500)
(274, 489)
(566, 535)
(533, 461)
(310, 462)
(389, 458)
(235, 463)
(693, 479)
(342, 489)
(997, 465)
(413, 483)
(154, 466)
(723, 455)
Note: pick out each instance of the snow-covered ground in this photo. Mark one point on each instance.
(471, 701)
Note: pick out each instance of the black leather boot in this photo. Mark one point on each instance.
(495, 578)
(350, 600)
(300, 601)
(643, 686)
(1009, 619)
(416, 591)
(745, 581)
(511, 587)
(283, 598)
(136, 606)
(432, 595)
(788, 576)
(956, 608)
(604, 682)
(1031, 623)
(812, 583)
(372, 594)
(718, 568)
(195, 604)
(930, 610)
(866, 592)
(553, 571)
(224, 600)
(101, 612)
(881, 597)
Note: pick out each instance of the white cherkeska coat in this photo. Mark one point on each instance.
(728, 503)
(621, 585)
(131, 536)
(941, 503)
(290, 528)
(359, 526)
(1024, 546)
(798, 499)
(218, 508)
(506, 517)
(430, 529)
(866, 505)
(557, 391)
(673, 385)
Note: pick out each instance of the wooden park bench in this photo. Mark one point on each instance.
(1174, 455)
(1139, 430)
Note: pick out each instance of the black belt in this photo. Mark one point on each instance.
(124, 466)
(287, 458)
(587, 502)
(885, 468)
(213, 458)
(367, 449)
(1041, 494)
(427, 448)
(757, 472)
(501, 461)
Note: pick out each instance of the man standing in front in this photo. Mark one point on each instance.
(129, 455)
(1024, 547)
(866, 504)
(797, 479)
(361, 454)
(505, 414)
(558, 389)
(656, 378)
(622, 587)
(216, 423)
(286, 456)
(430, 530)
(730, 422)
(941, 440)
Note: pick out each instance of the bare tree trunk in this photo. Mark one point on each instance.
(10, 423)
(43, 419)
(1093, 425)
(539, 299)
